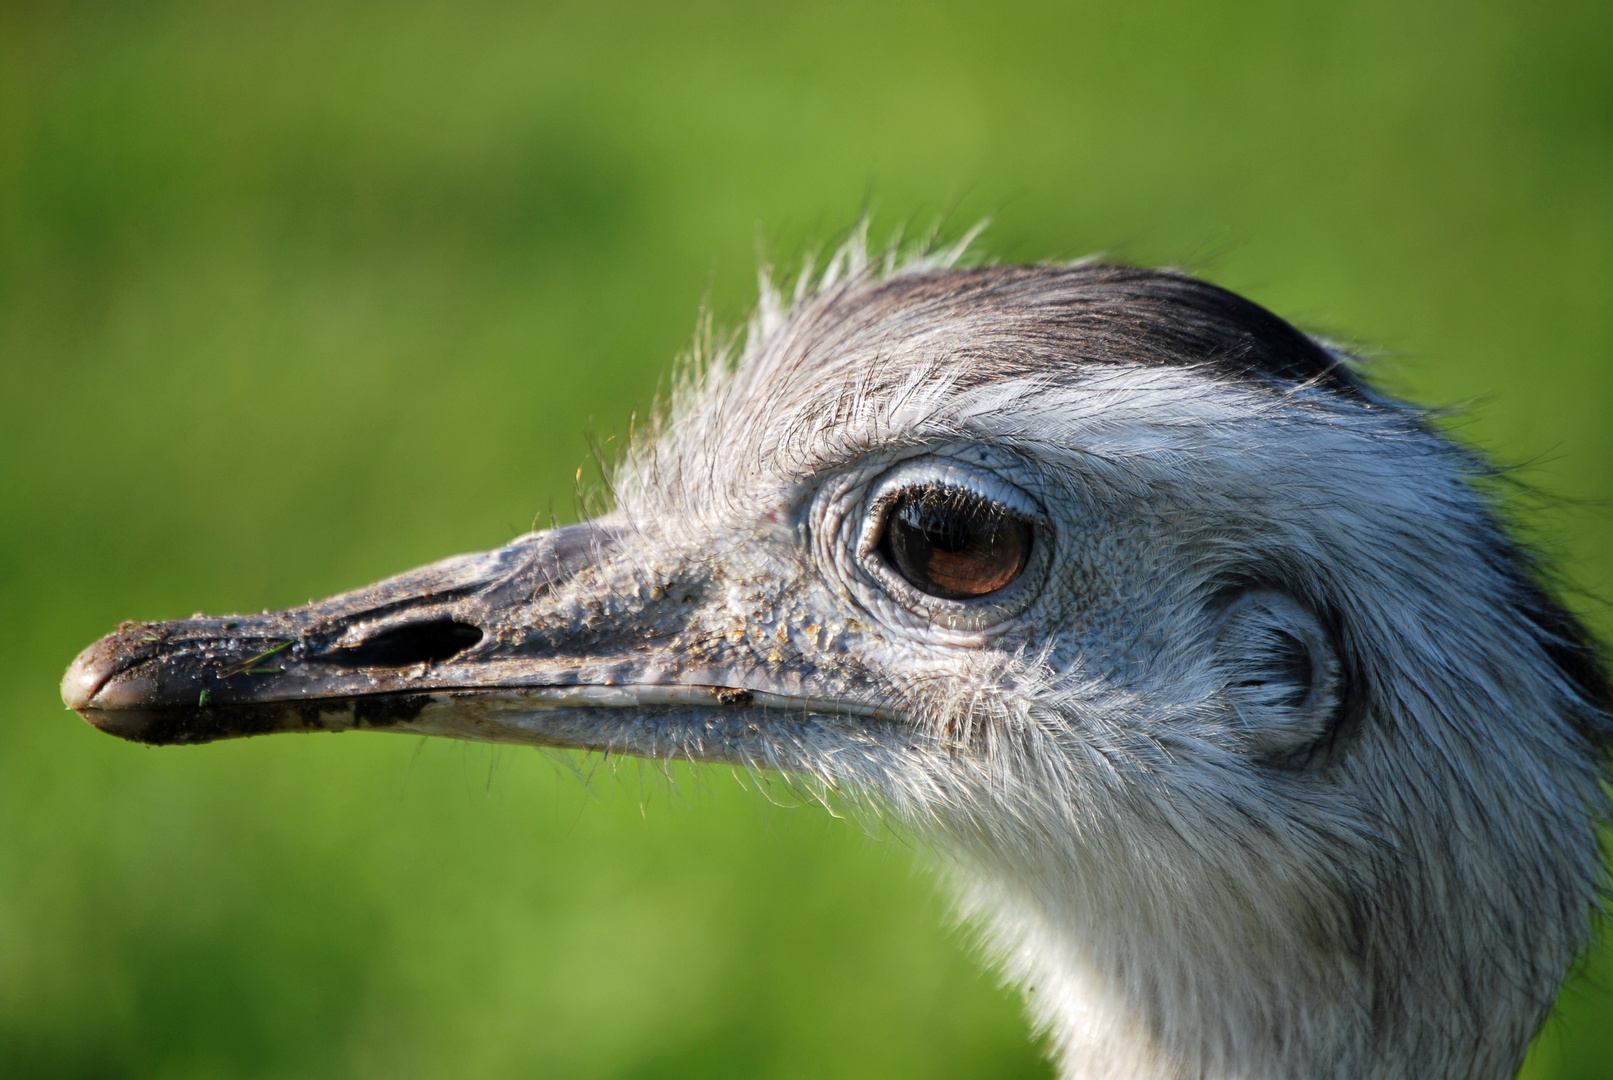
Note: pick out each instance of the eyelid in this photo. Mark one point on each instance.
(951, 474)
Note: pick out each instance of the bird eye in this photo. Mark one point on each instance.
(954, 544)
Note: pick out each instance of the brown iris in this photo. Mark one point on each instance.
(954, 544)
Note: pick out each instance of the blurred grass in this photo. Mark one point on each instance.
(293, 296)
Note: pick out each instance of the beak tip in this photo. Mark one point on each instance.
(101, 688)
(86, 675)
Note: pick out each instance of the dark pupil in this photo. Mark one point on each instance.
(953, 544)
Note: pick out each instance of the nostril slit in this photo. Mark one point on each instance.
(415, 643)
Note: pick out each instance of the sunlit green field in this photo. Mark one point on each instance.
(294, 296)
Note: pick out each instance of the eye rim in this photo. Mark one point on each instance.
(969, 502)
(858, 506)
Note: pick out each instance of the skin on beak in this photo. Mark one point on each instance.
(469, 647)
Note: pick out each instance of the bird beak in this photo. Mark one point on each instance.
(545, 641)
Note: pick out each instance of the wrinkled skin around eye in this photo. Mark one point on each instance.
(953, 544)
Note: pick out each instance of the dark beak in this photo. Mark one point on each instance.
(466, 647)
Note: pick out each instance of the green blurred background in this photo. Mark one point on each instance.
(294, 296)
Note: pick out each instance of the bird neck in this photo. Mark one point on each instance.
(1099, 1024)
(1136, 994)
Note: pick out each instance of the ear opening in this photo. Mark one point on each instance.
(1283, 676)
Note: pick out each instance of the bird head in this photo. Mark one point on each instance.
(1253, 742)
